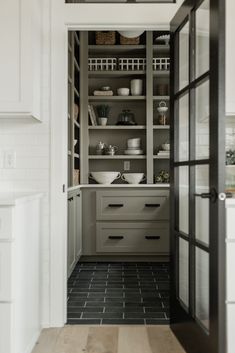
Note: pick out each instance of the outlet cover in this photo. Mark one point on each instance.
(9, 159)
(127, 165)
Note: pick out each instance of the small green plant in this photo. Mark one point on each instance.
(103, 111)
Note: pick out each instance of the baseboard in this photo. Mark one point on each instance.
(124, 258)
(34, 340)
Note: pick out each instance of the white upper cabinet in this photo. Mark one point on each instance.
(20, 52)
(230, 57)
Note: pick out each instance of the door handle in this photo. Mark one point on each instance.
(155, 205)
(115, 205)
(116, 237)
(70, 199)
(78, 195)
(225, 195)
(212, 195)
(152, 237)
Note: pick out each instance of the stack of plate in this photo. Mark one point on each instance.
(133, 147)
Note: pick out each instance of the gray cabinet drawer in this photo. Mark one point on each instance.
(139, 237)
(132, 205)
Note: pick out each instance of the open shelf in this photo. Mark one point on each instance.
(159, 98)
(161, 127)
(116, 48)
(118, 127)
(116, 98)
(116, 73)
(161, 157)
(158, 48)
(161, 73)
(117, 157)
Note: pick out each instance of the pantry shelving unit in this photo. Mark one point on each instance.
(144, 107)
(73, 99)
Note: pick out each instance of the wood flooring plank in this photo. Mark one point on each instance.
(47, 340)
(133, 339)
(102, 340)
(162, 340)
(72, 339)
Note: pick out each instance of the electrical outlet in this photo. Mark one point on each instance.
(127, 165)
(9, 159)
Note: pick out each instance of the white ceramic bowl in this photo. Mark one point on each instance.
(105, 177)
(134, 143)
(133, 178)
(123, 91)
(166, 146)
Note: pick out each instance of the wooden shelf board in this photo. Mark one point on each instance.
(116, 48)
(118, 127)
(103, 157)
(161, 48)
(117, 98)
(161, 127)
(161, 73)
(115, 73)
(158, 98)
(161, 157)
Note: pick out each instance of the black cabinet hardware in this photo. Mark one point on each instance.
(116, 237)
(116, 205)
(152, 237)
(152, 205)
(70, 199)
(78, 195)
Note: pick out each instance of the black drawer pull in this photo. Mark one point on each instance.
(78, 195)
(152, 205)
(116, 237)
(70, 199)
(115, 205)
(152, 237)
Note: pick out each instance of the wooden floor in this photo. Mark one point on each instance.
(108, 339)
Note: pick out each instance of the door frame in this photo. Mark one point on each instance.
(217, 211)
(66, 17)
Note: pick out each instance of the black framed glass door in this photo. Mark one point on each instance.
(197, 170)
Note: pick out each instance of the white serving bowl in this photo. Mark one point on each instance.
(134, 143)
(133, 178)
(166, 146)
(133, 151)
(105, 177)
(123, 91)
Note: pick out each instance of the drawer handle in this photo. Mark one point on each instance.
(116, 237)
(152, 237)
(78, 195)
(116, 205)
(152, 205)
(70, 199)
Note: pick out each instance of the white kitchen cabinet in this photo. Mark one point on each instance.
(20, 324)
(230, 58)
(78, 246)
(20, 51)
(74, 245)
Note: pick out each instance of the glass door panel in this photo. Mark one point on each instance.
(202, 204)
(183, 134)
(202, 117)
(202, 38)
(184, 200)
(183, 271)
(184, 56)
(202, 288)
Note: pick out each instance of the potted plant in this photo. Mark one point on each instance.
(103, 114)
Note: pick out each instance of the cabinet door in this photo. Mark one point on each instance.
(71, 234)
(78, 219)
(20, 50)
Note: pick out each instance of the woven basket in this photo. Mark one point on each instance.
(102, 38)
(129, 41)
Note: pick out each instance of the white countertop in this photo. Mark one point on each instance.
(14, 198)
(138, 186)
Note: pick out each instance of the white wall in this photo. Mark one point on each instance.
(31, 141)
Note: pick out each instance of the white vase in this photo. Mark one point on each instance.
(102, 121)
(136, 87)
